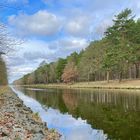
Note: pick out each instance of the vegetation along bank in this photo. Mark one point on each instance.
(125, 84)
(115, 57)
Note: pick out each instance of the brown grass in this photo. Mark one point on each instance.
(4, 89)
(125, 84)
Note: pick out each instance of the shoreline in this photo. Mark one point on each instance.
(124, 85)
(19, 122)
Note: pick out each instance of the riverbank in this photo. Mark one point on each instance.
(125, 84)
(18, 122)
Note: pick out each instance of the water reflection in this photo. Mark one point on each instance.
(108, 114)
(71, 128)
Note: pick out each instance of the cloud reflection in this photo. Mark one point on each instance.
(70, 127)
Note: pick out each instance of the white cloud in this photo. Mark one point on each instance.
(16, 72)
(101, 28)
(22, 70)
(40, 23)
(35, 51)
(79, 26)
(12, 1)
(69, 25)
(73, 43)
(17, 1)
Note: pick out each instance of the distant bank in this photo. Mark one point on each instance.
(125, 84)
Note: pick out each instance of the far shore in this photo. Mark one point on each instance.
(113, 84)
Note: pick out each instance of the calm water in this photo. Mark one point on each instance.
(85, 114)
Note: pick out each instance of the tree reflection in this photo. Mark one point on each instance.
(116, 113)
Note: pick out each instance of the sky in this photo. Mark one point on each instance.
(50, 29)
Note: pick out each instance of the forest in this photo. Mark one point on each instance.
(114, 57)
(5, 45)
(3, 72)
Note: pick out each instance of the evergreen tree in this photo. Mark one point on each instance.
(3, 72)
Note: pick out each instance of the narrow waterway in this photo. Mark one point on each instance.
(86, 114)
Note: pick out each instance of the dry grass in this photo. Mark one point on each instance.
(4, 89)
(125, 84)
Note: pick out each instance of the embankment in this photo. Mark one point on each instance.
(125, 84)
(18, 121)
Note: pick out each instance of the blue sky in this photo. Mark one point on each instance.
(55, 28)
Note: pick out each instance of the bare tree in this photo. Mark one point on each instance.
(7, 42)
(7, 45)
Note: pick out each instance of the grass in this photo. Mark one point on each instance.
(114, 84)
(4, 89)
(36, 117)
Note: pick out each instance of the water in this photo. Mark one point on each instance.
(87, 114)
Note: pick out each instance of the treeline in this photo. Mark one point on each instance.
(6, 45)
(115, 56)
(3, 73)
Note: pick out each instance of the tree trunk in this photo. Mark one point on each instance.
(137, 71)
(88, 77)
(99, 76)
(130, 73)
(108, 76)
(95, 77)
(120, 77)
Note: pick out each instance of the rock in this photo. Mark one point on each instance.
(4, 132)
(18, 105)
(17, 121)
